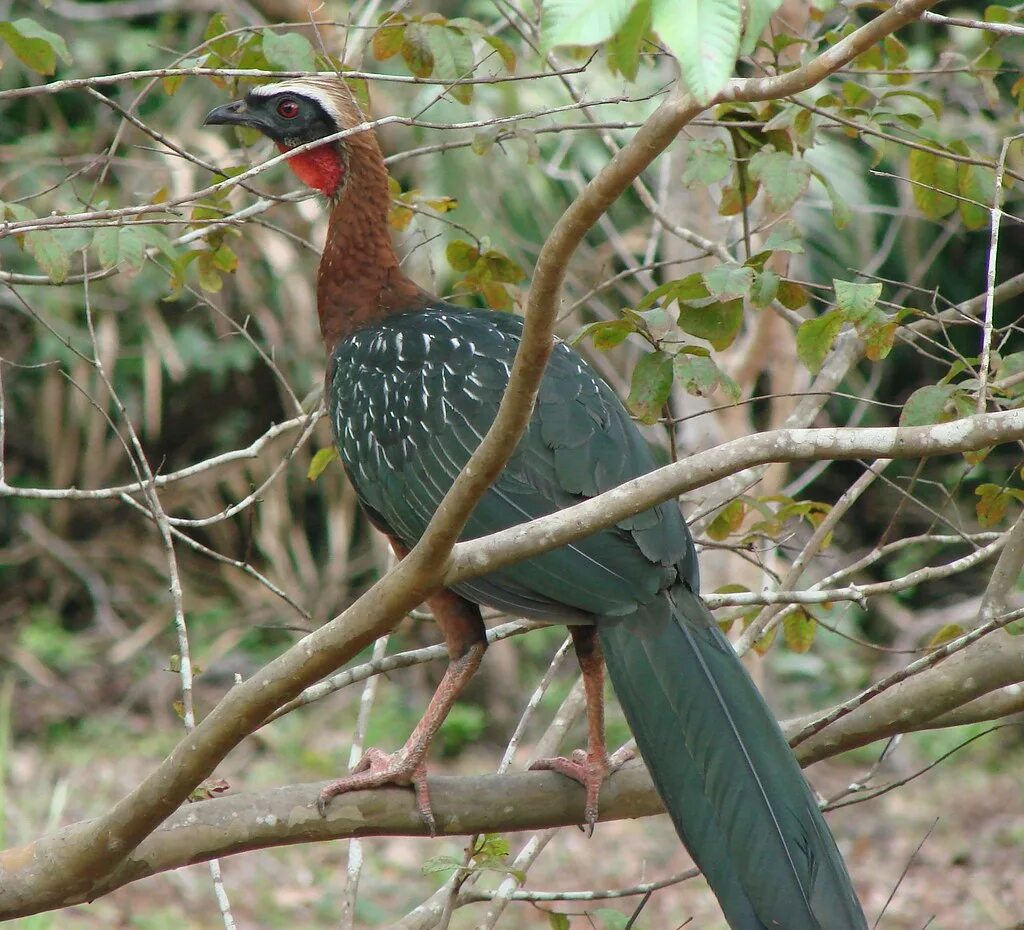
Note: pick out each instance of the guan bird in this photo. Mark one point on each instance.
(413, 383)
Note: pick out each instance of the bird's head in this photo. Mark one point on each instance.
(296, 112)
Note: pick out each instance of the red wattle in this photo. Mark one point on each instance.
(319, 168)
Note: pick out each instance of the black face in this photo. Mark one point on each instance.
(287, 118)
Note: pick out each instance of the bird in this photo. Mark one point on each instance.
(413, 382)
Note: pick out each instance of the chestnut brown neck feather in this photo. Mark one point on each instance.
(360, 280)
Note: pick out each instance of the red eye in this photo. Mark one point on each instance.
(289, 109)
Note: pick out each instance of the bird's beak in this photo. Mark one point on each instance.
(237, 113)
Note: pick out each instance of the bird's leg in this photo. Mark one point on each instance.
(466, 638)
(591, 767)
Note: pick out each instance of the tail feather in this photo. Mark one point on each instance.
(724, 770)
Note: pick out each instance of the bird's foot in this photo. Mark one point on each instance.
(590, 770)
(377, 769)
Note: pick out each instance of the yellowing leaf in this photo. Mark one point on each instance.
(320, 461)
(727, 521)
(798, 629)
(35, 47)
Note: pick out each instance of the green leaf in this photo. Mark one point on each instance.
(656, 322)
(581, 22)
(758, 14)
(453, 60)
(692, 287)
(706, 161)
(798, 630)
(926, 405)
(461, 255)
(935, 178)
(728, 281)
(815, 337)
(501, 268)
(606, 334)
(650, 386)
(993, 502)
(784, 177)
(483, 141)
(727, 521)
(766, 286)
(945, 634)
(35, 47)
(558, 921)
(841, 213)
(504, 50)
(416, 50)
(116, 244)
(209, 276)
(288, 51)
(624, 47)
(107, 244)
(610, 919)
(784, 236)
(492, 848)
(320, 461)
(698, 374)
(977, 184)
(51, 248)
(856, 299)
(792, 295)
(705, 36)
(718, 323)
(440, 864)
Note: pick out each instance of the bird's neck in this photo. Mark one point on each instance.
(360, 279)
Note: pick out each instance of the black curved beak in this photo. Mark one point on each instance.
(237, 113)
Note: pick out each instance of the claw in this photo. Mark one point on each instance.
(590, 771)
(377, 769)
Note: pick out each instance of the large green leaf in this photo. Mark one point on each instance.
(35, 46)
(453, 60)
(705, 36)
(624, 47)
(581, 22)
(288, 52)
(926, 405)
(719, 323)
(784, 177)
(758, 14)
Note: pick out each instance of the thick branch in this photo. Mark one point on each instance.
(487, 803)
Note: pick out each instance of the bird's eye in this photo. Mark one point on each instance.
(288, 108)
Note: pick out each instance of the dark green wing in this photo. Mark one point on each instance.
(412, 397)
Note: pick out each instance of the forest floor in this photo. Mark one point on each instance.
(967, 816)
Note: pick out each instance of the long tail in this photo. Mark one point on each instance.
(724, 770)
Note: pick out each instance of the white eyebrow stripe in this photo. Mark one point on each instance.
(301, 89)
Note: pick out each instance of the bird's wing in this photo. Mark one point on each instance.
(411, 399)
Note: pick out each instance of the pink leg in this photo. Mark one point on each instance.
(408, 765)
(592, 767)
(466, 638)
